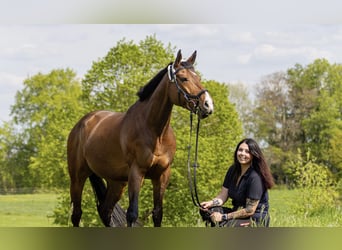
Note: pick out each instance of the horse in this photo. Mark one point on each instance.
(119, 149)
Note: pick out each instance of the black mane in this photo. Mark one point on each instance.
(147, 90)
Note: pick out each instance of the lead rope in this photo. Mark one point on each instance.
(193, 183)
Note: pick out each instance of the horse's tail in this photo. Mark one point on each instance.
(99, 188)
(118, 216)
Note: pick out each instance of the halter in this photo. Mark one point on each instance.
(192, 103)
(192, 100)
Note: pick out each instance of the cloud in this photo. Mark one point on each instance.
(269, 52)
(225, 51)
(10, 82)
(9, 85)
(244, 59)
(265, 50)
(28, 52)
(243, 37)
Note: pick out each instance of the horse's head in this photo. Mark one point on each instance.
(188, 90)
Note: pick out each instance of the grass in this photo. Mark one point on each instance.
(283, 205)
(35, 210)
(27, 210)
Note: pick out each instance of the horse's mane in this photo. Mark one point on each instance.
(147, 90)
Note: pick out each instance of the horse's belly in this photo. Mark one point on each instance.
(113, 169)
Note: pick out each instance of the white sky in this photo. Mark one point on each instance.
(241, 51)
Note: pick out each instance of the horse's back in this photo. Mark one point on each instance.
(85, 125)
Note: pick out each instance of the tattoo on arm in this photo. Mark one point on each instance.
(249, 210)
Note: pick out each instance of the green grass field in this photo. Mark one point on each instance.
(35, 210)
(282, 211)
(27, 210)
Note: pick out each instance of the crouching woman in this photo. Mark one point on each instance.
(246, 183)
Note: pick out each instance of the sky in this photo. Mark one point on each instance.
(227, 53)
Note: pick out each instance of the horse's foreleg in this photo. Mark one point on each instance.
(159, 187)
(135, 179)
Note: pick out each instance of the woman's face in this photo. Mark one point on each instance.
(243, 155)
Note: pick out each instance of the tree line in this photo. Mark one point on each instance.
(301, 110)
(293, 113)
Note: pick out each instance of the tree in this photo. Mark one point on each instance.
(45, 111)
(113, 81)
(14, 172)
(239, 95)
(301, 109)
(273, 121)
(316, 97)
(334, 152)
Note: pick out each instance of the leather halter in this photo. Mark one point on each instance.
(192, 100)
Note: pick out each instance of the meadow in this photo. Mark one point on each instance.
(284, 205)
(27, 210)
(36, 210)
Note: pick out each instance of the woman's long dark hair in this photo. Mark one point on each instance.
(258, 162)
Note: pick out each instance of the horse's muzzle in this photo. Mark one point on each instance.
(206, 107)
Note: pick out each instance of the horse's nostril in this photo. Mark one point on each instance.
(206, 104)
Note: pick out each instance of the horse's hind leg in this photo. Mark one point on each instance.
(113, 195)
(76, 189)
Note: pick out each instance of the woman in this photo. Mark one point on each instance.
(246, 183)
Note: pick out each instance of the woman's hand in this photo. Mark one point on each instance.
(213, 203)
(206, 204)
(216, 217)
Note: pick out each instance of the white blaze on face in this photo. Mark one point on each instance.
(208, 103)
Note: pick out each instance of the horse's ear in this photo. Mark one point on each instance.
(192, 58)
(178, 58)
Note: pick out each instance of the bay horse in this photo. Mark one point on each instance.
(125, 148)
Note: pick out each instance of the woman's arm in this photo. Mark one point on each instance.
(219, 200)
(249, 210)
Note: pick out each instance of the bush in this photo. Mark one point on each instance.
(317, 187)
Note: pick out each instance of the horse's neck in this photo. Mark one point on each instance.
(157, 110)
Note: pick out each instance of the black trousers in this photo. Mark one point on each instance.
(263, 221)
